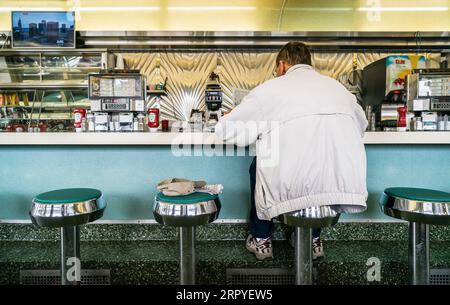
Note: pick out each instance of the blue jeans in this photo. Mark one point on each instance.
(262, 228)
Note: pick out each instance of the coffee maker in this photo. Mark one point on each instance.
(213, 100)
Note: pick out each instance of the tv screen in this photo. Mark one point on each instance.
(43, 29)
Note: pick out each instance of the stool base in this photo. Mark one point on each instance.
(70, 256)
(187, 255)
(303, 256)
(419, 253)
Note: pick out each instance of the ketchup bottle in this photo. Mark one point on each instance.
(401, 120)
(153, 119)
(78, 114)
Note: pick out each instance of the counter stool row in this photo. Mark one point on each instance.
(70, 208)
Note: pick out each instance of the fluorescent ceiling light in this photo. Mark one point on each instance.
(31, 9)
(320, 9)
(115, 8)
(210, 8)
(82, 9)
(404, 9)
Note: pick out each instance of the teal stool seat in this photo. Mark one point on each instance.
(417, 205)
(186, 212)
(68, 195)
(420, 207)
(68, 209)
(186, 199)
(418, 194)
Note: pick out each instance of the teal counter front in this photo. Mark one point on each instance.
(127, 168)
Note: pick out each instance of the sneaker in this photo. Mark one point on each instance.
(262, 248)
(317, 248)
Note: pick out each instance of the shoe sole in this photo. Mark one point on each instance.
(318, 258)
(259, 256)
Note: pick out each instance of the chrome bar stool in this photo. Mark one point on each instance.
(304, 221)
(68, 209)
(186, 212)
(421, 208)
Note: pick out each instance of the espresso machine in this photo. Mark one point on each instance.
(384, 87)
(213, 100)
(117, 100)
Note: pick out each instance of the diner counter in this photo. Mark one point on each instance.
(192, 138)
(128, 166)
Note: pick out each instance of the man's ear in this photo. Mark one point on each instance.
(285, 67)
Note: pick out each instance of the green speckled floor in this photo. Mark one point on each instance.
(214, 231)
(148, 253)
(156, 262)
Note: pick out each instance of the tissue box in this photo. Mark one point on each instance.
(429, 120)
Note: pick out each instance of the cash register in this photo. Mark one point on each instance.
(117, 99)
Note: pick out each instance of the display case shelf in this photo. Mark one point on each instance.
(46, 85)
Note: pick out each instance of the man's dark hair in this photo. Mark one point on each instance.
(295, 53)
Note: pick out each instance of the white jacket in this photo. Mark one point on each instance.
(308, 132)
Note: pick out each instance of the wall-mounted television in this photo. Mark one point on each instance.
(43, 29)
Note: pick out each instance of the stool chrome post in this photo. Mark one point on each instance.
(419, 253)
(421, 208)
(304, 221)
(70, 256)
(187, 255)
(67, 209)
(303, 255)
(186, 212)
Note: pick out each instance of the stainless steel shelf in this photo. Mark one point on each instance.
(139, 40)
(50, 105)
(44, 85)
(18, 51)
(36, 119)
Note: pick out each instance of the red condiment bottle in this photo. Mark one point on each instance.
(401, 119)
(153, 119)
(78, 114)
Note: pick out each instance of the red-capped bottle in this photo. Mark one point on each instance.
(401, 118)
(153, 119)
(78, 114)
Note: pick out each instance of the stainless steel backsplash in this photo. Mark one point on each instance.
(187, 73)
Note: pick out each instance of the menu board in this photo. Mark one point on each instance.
(125, 87)
(108, 86)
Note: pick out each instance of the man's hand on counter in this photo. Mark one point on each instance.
(227, 112)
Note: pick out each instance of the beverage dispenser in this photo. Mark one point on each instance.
(384, 86)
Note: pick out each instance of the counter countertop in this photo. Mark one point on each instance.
(168, 138)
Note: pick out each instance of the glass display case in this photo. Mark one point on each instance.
(40, 89)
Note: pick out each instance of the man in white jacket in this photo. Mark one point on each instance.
(308, 131)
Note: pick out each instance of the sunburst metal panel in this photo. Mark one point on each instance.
(333, 64)
(243, 71)
(188, 73)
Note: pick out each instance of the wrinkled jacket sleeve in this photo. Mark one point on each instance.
(243, 125)
(360, 118)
